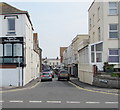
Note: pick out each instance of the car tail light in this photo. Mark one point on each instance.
(50, 75)
(42, 76)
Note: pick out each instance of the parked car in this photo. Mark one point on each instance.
(46, 76)
(50, 71)
(63, 74)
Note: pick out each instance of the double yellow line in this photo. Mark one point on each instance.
(89, 90)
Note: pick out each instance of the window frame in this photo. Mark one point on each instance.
(5, 53)
(2, 53)
(113, 55)
(95, 52)
(113, 8)
(11, 32)
(14, 50)
(113, 31)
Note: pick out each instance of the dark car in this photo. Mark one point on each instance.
(63, 74)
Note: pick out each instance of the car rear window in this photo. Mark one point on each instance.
(45, 73)
(63, 72)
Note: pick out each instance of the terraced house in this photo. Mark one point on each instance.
(104, 33)
(17, 47)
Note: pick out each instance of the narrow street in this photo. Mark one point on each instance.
(57, 94)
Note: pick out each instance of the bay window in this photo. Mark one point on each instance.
(1, 50)
(96, 53)
(17, 50)
(8, 50)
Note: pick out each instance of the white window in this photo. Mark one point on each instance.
(114, 55)
(17, 50)
(113, 8)
(1, 50)
(113, 31)
(96, 53)
(7, 49)
(11, 25)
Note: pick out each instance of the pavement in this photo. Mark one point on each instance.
(30, 84)
(94, 88)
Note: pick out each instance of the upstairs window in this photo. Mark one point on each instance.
(113, 31)
(11, 25)
(113, 8)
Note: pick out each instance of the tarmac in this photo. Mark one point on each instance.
(72, 80)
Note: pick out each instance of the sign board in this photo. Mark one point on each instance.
(11, 39)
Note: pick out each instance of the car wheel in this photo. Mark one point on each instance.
(41, 80)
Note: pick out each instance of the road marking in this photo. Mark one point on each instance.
(93, 90)
(92, 102)
(73, 102)
(111, 102)
(35, 101)
(53, 101)
(16, 101)
(1, 101)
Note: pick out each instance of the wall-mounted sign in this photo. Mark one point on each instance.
(103, 81)
(11, 39)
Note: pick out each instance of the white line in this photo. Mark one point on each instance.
(72, 102)
(92, 102)
(35, 101)
(111, 102)
(16, 101)
(1, 101)
(53, 101)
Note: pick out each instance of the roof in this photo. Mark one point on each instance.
(8, 9)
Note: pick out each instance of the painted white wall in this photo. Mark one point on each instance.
(10, 76)
(23, 29)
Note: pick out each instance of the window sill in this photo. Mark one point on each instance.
(113, 38)
(10, 34)
(113, 15)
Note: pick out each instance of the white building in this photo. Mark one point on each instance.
(16, 47)
(52, 62)
(104, 39)
(104, 33)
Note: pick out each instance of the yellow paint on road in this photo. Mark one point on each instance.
(89, 90)
(14, 90)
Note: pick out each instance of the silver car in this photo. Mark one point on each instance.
(46, 76)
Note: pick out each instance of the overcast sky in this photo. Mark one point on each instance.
(56, 23)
